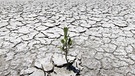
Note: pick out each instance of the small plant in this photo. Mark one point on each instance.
(66, 43)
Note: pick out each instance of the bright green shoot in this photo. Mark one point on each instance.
(66, 43)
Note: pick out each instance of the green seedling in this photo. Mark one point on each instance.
(66, 43)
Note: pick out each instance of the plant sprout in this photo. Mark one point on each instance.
(66, 43)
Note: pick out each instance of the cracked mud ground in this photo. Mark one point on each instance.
(103, 32)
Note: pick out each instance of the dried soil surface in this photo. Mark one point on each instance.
(103, 33)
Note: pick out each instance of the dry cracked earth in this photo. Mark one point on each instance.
(103, 34)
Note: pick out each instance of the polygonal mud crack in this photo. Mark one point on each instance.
(54, 65)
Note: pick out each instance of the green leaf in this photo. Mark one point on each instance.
(62, 48)
(65, 32)
(69, 41)
(62, 41)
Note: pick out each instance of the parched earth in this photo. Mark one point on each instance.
(103, 33)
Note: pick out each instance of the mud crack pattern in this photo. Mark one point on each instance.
(103, 32)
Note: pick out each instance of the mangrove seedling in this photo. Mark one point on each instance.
(66, 43)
